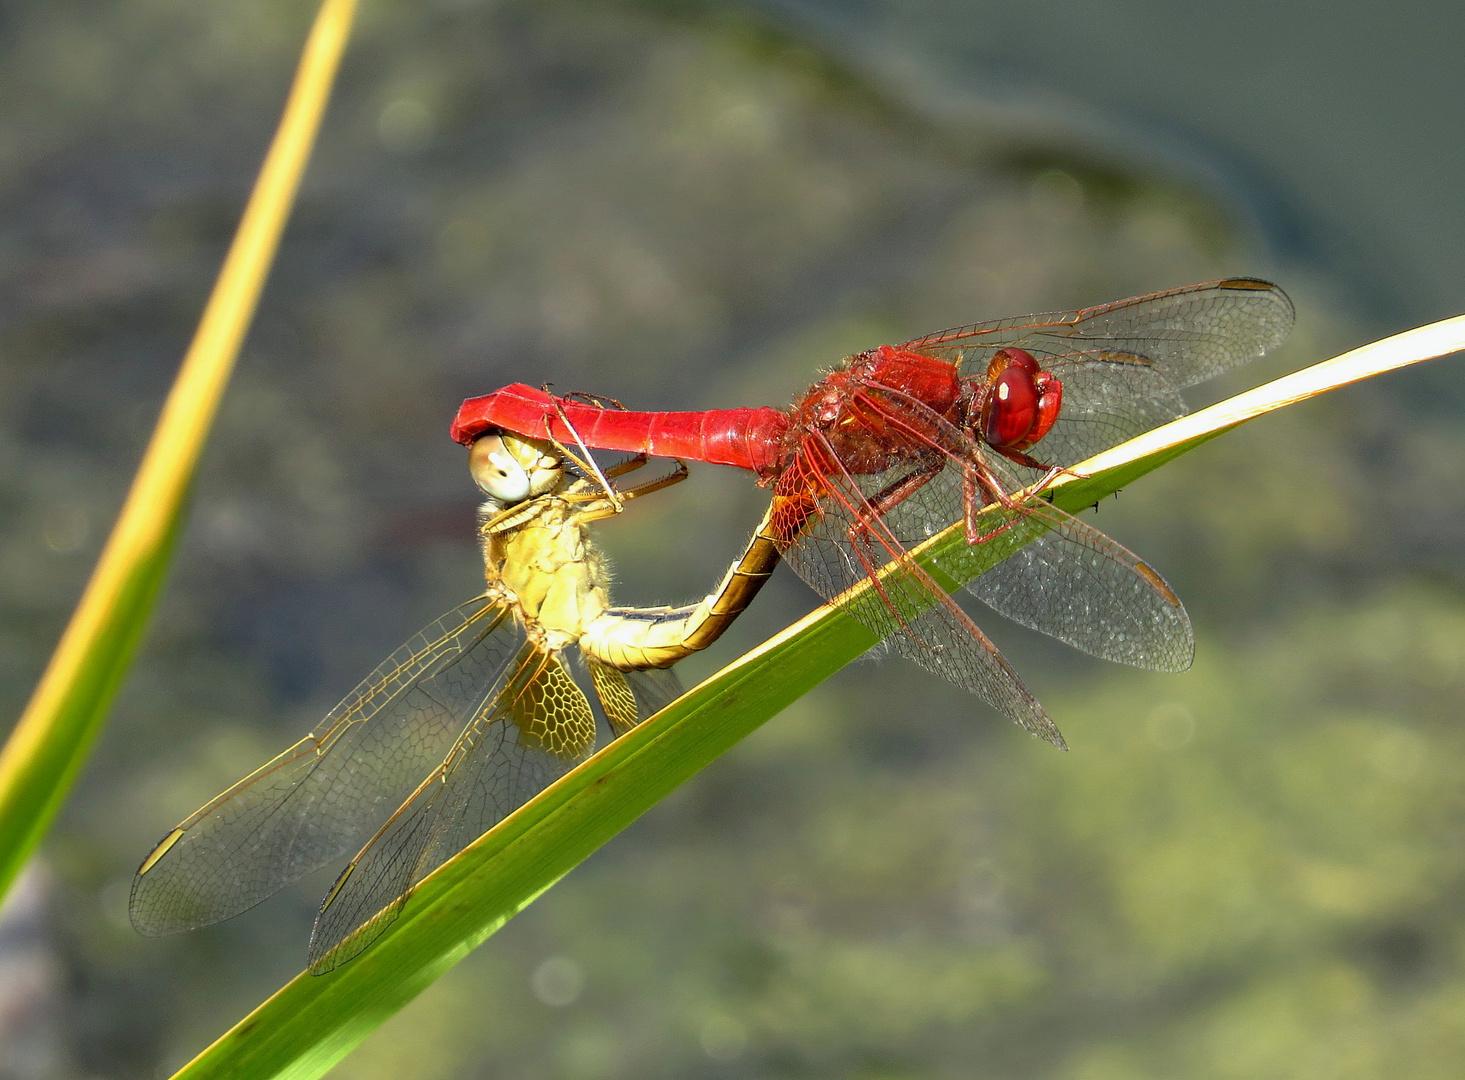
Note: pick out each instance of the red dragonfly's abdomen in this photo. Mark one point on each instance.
(744, 438)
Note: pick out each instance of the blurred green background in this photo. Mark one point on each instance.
(1253, 870)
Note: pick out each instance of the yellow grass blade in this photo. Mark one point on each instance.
(311, 1023)
(51, 741)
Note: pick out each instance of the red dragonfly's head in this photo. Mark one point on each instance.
(1019, 402)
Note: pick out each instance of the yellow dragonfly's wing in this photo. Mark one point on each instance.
(327, 793)
(521, 740)
(628, 697)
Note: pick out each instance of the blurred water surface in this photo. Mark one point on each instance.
(1250, 870)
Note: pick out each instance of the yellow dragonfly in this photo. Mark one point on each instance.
(464, 723)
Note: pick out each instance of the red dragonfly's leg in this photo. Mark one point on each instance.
(586, 464)
(870, 531)
(980, 486)
(1023, 459)
(632, 463)
(977, 496)
(903, 578)
(589, 465)
(1050, 472)
(981, 489)
(898, 490)
(879, 504)
(599, 400)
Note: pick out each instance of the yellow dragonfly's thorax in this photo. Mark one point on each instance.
(546, 560)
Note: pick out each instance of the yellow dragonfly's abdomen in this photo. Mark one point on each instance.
(639, 638)
(542, 553)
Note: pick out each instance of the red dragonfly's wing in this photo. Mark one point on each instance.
(331, 790)
(1053, 573)
(1058, 575)
(844, 543)
(1123, 364)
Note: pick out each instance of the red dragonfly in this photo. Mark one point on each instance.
(898, 443)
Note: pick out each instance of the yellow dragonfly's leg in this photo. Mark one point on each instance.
(676, 476)
(579, 493)
(630, 465)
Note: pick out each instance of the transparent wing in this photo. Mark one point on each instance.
(521, 739)
(654, 690)
(1048, 570)
(324, 795)
(1123, 364)
(841, 542)
(1058, 575)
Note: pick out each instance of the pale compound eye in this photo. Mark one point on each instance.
(496, 472)
(538, 459)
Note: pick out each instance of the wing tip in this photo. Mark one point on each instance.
(1286, 309)
(324, 956)
(1037, 723)
(1049, 733)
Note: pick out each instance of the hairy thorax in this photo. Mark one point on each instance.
(551, 569)
(872, 409)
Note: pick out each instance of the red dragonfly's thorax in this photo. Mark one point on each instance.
(933, 382)
(846, 407)
(830, 407)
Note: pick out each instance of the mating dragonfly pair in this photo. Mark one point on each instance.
(479, 712)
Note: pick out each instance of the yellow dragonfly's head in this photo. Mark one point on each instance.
(510, 468)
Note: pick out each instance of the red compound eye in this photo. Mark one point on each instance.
(1011, 408)
(1012, 357)
(1050, 403)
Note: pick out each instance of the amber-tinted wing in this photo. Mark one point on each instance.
(1123, 364)
(844, 543)
(328, 792)
(629, 697)
(519, 741)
